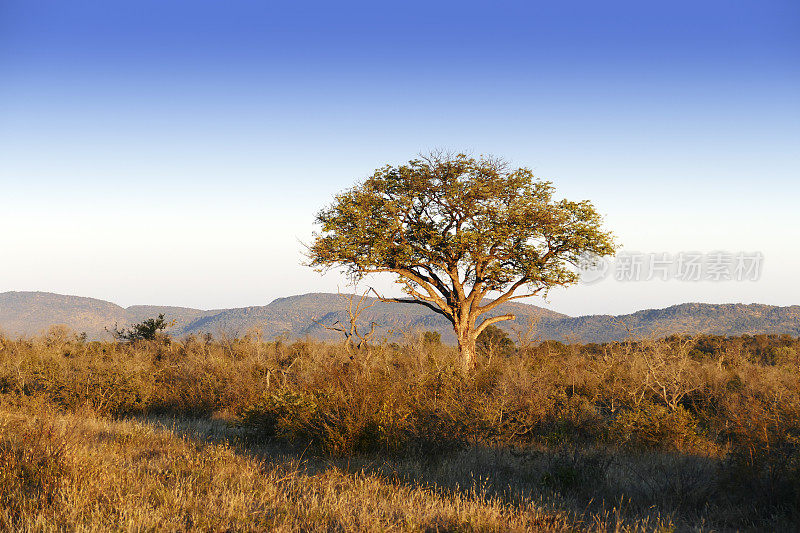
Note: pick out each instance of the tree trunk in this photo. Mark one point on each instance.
(466, 346)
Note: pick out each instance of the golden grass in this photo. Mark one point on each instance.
(241, 435)
(134, 476)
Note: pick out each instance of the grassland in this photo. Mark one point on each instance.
(241, 435)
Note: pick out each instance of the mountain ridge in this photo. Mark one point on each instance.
(32, 312)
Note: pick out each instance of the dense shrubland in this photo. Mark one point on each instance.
(703, 428)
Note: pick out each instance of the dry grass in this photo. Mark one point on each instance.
(688, 435)
(131, 475)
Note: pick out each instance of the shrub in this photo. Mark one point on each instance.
(656, 427)
(494, 340)
(333, 424)
(431, 338)
(147, 330)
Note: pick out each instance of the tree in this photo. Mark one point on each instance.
(146, 330)
(353, 338)
(455, 229)
(493, 339)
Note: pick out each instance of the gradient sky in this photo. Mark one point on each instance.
(175, 152)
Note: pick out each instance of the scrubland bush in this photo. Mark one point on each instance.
(547, 392)
(656, 427)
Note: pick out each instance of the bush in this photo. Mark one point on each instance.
(333, 424)
(656, 427)
(494, 340)
(431, 338)
(147, 330)
(369, 414)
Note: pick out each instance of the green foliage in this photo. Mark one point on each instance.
(278, 414)
(146, 330)
(494, 340)
(110, 390)
(783, 355)
(441, 212)
(431, 338)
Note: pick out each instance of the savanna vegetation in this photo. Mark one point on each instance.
(677, 434)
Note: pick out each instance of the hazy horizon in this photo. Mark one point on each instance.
(530, 301)
(156, 154)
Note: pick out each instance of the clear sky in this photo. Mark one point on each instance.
(175, 152)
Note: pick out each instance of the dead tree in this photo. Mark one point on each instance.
(353, 338)
(670, 371)
(528, 333)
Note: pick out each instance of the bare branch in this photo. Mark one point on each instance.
(352, 333)
(427, 304)
(508, 295)
(331, 327)
(493, 320)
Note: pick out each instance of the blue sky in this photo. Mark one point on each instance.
(176, 152)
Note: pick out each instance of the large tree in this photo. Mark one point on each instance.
(457, 230)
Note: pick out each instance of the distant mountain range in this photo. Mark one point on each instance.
(31, 313)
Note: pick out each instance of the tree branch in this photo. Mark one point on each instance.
(489, 321)
(505, 296)
(429, 288)
(427, 304)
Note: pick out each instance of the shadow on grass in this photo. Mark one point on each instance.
(595, 485)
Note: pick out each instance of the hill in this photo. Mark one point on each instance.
(688, 318)
(30, 313)
(299, 316)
